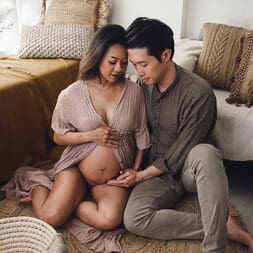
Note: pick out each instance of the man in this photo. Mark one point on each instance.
(181, 112)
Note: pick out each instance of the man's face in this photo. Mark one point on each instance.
(148, 68)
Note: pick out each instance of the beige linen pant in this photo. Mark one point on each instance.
(149, 210)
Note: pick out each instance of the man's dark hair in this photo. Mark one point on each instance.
(151, 34)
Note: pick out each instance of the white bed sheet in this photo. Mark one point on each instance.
(234, 129)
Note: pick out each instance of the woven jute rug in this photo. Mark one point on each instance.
(130, 243)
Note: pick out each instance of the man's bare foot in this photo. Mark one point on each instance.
(25, 200)
(236, 233)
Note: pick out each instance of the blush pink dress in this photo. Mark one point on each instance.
(74, 112)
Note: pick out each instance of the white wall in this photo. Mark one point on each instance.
(8, 27)
(234, 12)
(185, 17)
(29, 11)
(168, 11)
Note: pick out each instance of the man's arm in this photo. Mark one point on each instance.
(197, 123)
(196, 126)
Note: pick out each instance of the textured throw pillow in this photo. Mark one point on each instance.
(104, 9)
(82, 12)
(55, 41)
(242, 88)
(187, 52)
(221, 52)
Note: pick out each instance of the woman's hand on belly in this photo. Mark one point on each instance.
(106, 136)
(100, 166)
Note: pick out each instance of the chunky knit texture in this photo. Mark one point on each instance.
(82, 12)
(71, 12)
(220, 56)
(242, 88)
(55, 41)
(104, 8)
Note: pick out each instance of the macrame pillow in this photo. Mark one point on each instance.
(55, 41)
(242, 88)
(83, 12)
(220, 56)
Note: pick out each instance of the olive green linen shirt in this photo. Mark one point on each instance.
(179, 118)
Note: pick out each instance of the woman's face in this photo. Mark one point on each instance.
(114, 63)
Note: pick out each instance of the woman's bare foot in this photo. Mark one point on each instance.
(236, 233)
(25, 200)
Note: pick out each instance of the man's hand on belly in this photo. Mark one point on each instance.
(129, 178)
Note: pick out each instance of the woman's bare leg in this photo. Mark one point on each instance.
(236, 233)
(106, 212)
(56, 206)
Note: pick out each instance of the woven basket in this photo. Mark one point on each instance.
(28, 234)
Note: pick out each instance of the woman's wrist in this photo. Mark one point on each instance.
(85, 137)
(136, 168)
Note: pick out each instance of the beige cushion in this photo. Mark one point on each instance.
(242, 88)
(187, 52)
(104, 8)
(83, 12)
(55, 41)
(221, 52)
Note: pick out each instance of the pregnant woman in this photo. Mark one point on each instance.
(101, 119)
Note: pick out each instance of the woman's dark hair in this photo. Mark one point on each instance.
(151, 34)
(105, 37)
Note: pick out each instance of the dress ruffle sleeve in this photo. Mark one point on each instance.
(60, 124)
(141, 133)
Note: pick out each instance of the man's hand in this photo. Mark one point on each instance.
(129, 178)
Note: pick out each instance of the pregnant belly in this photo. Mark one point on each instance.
(100, 166)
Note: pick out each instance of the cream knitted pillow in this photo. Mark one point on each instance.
(83, 12)
(104, 9)
(220, 56)
(55, 41)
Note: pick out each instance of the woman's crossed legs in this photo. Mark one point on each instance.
(106, 209)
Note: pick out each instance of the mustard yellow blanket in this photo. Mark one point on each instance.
(28, 92)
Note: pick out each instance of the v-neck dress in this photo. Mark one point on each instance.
(74, 112)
